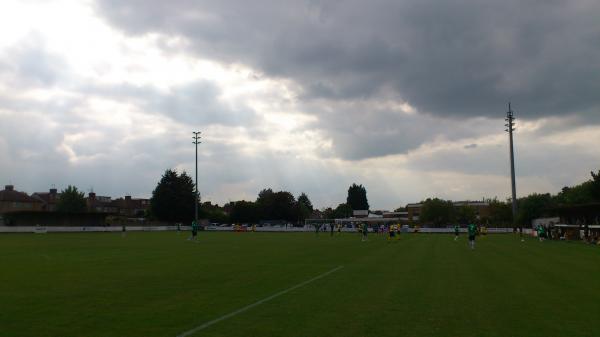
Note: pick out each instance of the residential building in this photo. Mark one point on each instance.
(13, 201)
(101, 204)
(49, 199)
(132, 207)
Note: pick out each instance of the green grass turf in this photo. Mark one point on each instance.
(159, 284)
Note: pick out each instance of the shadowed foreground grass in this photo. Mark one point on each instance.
(159, 284)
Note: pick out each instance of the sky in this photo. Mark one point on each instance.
(406, 97)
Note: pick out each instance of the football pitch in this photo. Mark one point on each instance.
(295, 284)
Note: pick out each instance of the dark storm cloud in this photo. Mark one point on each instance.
(359, 131)
(461, 58)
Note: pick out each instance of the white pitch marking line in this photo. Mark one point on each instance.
(250, 306)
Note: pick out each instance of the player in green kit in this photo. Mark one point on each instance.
(456, 231)
(194, 231)
(541, 231)
(472, 229)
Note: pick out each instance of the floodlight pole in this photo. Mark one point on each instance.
(510, 127)
(197, 195)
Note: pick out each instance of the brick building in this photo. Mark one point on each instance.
(132, 207)
(49, 199)
(101, 204)
(14, 201)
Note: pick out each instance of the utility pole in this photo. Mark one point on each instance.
(196, 141)
(510, 127)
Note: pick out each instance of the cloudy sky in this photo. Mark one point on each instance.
(404, 97)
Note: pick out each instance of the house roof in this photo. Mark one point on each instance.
(12, 195)
(46, 197)
(134, 203)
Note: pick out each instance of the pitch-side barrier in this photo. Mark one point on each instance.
(77, 229)
(74, 229)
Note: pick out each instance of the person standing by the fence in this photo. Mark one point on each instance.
(456, 232)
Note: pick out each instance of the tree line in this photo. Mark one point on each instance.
(440, 212)
(173, 201)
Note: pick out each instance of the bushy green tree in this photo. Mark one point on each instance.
(174, 197)
(437, 212)
(303, 199)
(342, 211)
(500, 213)
(595, 185)
(579, 194)
(304, 207)
(213, 212)
(466, 214)
(531, 207)
(277, 205)
(244, 212)
(357, 197)
(328, 213)
(71, 201)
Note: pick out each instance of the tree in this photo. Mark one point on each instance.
(302, 211)
(277, 205)
(500, 213)
(244, 211)
(532, 206)
(595, 185)
(466, 214)
(328, 213)
(579, 194)
(265, 201)
(284, 206)
(174, 197)
(303, 199)
(213, 212)
(304, 207)
(438, 212)
(357, 197)
(342, 211)
(71, 201)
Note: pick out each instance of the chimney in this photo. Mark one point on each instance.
(9, 187)
(53, 191)
(127, 198)
(92, 196)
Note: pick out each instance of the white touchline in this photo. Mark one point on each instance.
(233, 313)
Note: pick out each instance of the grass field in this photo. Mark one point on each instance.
(159, 284)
